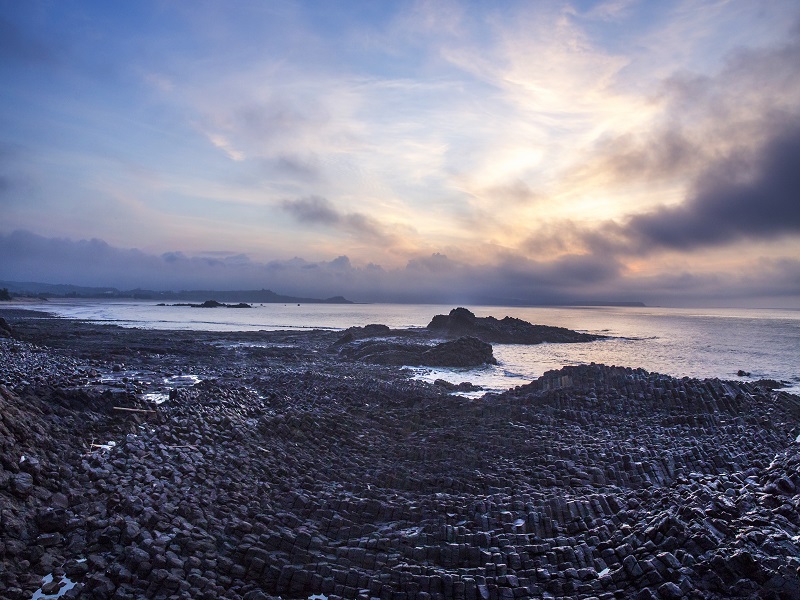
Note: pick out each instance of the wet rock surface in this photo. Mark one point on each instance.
(508, 330)
(289, 471)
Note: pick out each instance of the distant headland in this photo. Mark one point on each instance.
(47, 290)
(21, 291)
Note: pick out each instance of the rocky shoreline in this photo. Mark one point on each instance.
(280, 466)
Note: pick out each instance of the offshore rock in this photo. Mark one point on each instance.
(509, 330)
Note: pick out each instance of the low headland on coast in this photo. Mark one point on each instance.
(183, 464)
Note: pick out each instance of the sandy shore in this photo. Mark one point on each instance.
(280, 468)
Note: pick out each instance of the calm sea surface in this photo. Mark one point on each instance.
(678, 342)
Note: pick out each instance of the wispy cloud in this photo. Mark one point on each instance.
(223, 144)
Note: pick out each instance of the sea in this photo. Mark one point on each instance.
(681, 342)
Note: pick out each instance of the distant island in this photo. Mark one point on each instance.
(209, 304)
(48, 290)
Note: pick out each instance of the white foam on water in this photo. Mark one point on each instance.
(182, 380)
(155, 397)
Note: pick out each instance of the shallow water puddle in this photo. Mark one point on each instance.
(182, 380)
(68, 584)
(155, 397)
(175, 381)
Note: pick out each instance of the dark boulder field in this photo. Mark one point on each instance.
(284, 464)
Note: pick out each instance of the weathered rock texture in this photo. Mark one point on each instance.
(296, 474)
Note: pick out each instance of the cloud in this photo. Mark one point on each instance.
(695, 109)
(651, 155)
(313, 209)
(514, 192)
(611, 10)
(426, 279)
(302, 168)
(716, 163)
(318, 210)
(740, 197)
(225, 145)
(519, 150)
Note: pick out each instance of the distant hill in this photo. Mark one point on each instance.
(48, 290)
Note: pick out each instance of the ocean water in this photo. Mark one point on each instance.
(678, 342)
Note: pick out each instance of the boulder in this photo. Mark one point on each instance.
(22, 484)
(52, 520)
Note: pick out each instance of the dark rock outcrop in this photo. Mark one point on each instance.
(509, 330)
(5, 329)
(463, 352)
(464, 386)
(352, 334)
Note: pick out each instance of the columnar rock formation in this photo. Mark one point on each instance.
(291, 477)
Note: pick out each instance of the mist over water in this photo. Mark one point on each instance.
(678, 342)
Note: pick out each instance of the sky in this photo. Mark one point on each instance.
(406, 151)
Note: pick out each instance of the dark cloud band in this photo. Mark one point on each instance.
(737, 198)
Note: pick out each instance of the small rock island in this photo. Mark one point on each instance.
(209, 304)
